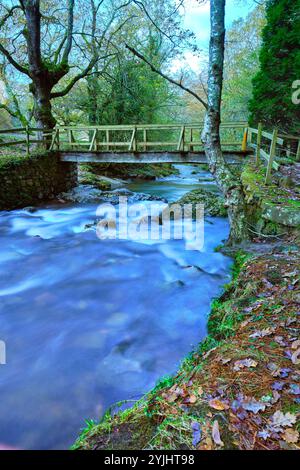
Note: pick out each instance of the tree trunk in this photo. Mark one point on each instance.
(230, 186)
(42, 110)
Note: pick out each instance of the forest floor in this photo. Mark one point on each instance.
(240, 389)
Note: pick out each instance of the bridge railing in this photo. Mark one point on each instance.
(273, 148)
(122, 138)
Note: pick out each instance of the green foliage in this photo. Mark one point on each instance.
(243, 42)
(279, 68)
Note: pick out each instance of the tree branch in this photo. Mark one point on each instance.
(8, 110)
(83, 74)
(13, 62)
(166, 77)
(69, 35)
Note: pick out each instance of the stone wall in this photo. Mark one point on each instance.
(29, 180)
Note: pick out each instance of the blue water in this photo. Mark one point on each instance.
(89, 322)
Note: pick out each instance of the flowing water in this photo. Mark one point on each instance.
(87, 322)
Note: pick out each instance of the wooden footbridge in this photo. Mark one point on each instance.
(167, 143)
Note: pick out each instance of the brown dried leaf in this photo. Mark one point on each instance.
(218, 405)
(296, 344)
(291, 436)
(295, 357)
(244, 363)
(262, 333)
(171, 398)
(193, 399)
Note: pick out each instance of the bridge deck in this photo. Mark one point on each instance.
(231, 157)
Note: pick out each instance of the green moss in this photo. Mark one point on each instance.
(214, 204)
(95, 180)
(136, 170)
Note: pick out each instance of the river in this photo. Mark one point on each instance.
(89, 322)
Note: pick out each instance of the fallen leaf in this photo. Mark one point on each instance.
(279, 419)
(264, 434)
(244, 363)
(171, 398)
(295, 357)
(200, 391)
(294, 389)
(250, 404)
(216, 434)
(262, 333)
(280, 340)
(226, 360)
(296, 344)
(278, 385)
(193, 399)
(196, 433)
(207, 444)
(218, 405)
(291, 436)
(276, 397)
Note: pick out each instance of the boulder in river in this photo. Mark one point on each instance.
(214, 204)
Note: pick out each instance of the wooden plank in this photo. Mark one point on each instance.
(54, 139)
(13, 131)
(289, 137)
(253, 131)
(298, 153)
(180, 145)
(245, 139)
(27, 141)
(132, 144)
(271, 157)
(93, 140)
(11, 144)
(266, 157)
(269, 136)
(258, 147)
(144, 157)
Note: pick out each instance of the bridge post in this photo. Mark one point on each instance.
(271, 156)
(107, 140)
(245, 140)
(191, 138)
(298, 153)
(258, 147)
(27, 141)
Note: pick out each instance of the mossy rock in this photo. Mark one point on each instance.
(94, 180)
(214, 204)
(131, 170)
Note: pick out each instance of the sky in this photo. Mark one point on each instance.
(196, 19)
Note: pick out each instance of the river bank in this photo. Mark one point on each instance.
(240, 388)
(82, 317)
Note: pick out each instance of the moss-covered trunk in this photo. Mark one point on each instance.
(228, 183)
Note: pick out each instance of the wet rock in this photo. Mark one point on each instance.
(114, 196)
(214, 204)
(83, 193)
